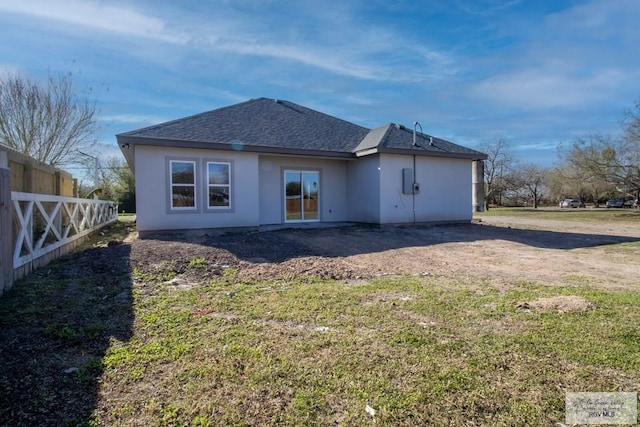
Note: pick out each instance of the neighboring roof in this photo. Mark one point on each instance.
(276, 126)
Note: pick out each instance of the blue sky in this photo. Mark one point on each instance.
(536, 72)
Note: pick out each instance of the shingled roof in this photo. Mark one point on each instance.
(394, 138)
(277, 126)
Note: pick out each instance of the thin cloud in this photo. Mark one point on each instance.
(95, 15)
(134, 118)
(314, 56)
(355, 54)
(541, 88)
(484, 7)
(532, 71)
(571, 61)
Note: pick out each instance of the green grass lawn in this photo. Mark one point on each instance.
(413, 350)
(419, 351)
(585, 215)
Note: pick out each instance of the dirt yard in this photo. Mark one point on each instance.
(60, 324)
(503, 250)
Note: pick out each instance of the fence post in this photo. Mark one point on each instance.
(6, 233)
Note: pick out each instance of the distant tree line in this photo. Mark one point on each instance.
(591, 169)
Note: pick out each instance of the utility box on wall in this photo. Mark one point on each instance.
(409, 186)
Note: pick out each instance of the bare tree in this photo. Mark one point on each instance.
(531, 180)
(45, 121)
(559, 186)
(632, 126)
(496, 168)
(605, 162)
(629, 152)
(576, 183)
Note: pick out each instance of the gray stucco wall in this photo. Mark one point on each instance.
(445, 190)
(363, 189)
(152, 183)
(333, 193)
(367, 189)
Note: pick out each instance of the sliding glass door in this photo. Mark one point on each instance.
(301, 189)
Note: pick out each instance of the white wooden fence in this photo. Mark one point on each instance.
(44, 226)
(47, 222)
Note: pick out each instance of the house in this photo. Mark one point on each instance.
(267, 161)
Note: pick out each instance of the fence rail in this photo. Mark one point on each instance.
(44, 223)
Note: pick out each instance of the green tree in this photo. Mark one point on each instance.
(118, 183)
(293, 188)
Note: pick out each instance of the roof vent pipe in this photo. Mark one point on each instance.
(415, 124)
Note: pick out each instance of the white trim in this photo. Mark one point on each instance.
(284, 179)
(194, 186)
(208, 186)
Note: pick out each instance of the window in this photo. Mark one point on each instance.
(183, 185)
(199, 185)
(218, 180)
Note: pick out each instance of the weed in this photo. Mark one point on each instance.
(198, 262)
(229, 274)
(91, 369)
(65, 332)
(153, 277)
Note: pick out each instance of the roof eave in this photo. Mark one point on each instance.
(367, 152)
(127, 149)
(127, 141)
(442, 154)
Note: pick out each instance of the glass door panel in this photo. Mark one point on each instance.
(293, 198)
(310, 184)
(302, 189)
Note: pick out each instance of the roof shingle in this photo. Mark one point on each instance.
(276, 125)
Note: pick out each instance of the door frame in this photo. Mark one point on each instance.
(301, 171)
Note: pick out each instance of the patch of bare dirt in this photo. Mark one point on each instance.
(562, 304)
(310, 266)
(504, 250)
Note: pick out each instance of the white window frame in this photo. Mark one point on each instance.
(194, 185)
(227, 186)
(284, 181)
